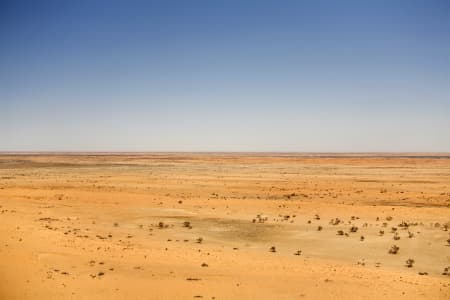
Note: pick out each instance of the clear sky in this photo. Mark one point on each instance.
(326, 76)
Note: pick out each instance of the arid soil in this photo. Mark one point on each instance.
(224, 226)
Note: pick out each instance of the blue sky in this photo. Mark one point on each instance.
(326, 76)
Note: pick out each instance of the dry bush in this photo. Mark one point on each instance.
(354, 229)
(394, 249)
(409, 262)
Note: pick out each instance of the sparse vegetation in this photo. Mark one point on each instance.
(446, 271)
(228, 222)
(394, 249)
(187, 224)
(409, 262)
(335, 221)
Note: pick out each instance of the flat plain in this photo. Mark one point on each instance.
(224, 226)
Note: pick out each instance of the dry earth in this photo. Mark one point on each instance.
(224, 226)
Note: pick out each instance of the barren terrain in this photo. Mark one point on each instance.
(224, 226)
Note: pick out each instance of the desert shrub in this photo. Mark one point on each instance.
(409, 262)
(187, 224)
(394, 249)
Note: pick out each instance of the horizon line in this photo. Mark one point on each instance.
(310, 153)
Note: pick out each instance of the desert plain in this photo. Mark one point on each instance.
(224, 226)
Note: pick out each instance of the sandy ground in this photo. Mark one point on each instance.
(224, 226)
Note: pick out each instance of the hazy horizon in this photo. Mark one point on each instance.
(210, 76)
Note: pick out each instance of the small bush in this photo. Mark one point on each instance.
(409, 262)
(394, 249)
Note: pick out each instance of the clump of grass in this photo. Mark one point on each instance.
(335, 221)
(199, 240)
(381, 232)
(394, 249)
(354, 229)
(362, 238)
(273, 249)
(340, 232)
(187, 224)
(403, 224)
(319, 228)
(446, 271)
(409, 262)
(298, 252)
